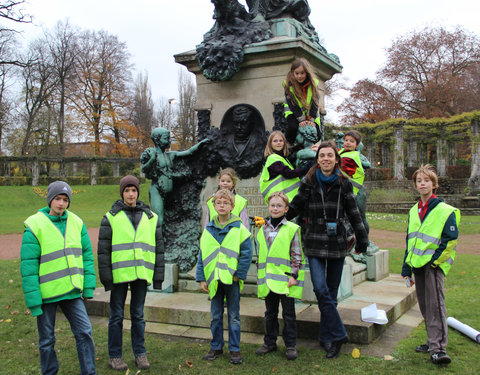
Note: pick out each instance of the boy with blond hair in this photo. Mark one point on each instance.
(222, 266)
(432, 237)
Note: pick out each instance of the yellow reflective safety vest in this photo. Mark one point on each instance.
(220, 261)
(133, 251)
(61, 257)
(274, 263)
(359, 175)
(424, 237)
(288, 185)
(240, 204)
(305, 111)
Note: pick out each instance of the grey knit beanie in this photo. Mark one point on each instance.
(129, 180)
(57, 188)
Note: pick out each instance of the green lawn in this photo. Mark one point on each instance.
(19, 345)
(89, 202)
(398, 222)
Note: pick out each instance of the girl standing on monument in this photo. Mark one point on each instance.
(227, 179)
(326, 200)
(278, 173)
(302, 99)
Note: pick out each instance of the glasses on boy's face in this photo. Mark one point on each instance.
(277, 206)
(222, 203)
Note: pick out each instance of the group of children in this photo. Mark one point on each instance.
(57, 261)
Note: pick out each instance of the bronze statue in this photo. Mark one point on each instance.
(306, 137)
(157, 164)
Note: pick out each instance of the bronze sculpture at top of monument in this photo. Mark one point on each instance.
(221, 52)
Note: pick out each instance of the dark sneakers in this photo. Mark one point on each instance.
(291, 353)
(235, 358)
(212, 354)
(264, 349)
(422, 348)
(440, 358)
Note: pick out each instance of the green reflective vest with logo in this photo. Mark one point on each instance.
(288, 185)
(240, 204)
(220, 261)
(133, 250)
(305, 111)
(359, 175)
(61, 257)
(425, 237)
(275, 263)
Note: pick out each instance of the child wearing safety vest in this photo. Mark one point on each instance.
(223, 262)
(351, 162)
(278, 173)
(130, 257)
(432, 237)
(227, 179)
(57, 270)
(302, 99)
(281, 274)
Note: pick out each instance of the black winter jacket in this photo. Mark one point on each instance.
(308, 204)
(105, 244)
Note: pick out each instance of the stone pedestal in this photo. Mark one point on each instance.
(259, 81)
(378, 265)
(170, 283)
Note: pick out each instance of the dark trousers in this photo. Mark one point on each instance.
(289, 334)
(431, 300)
(138, 292)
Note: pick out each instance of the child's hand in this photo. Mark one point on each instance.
(408, 281)
(259, 221)
(236, 279)
(203, 286)
(291, 281)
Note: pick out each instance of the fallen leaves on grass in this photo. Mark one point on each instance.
(388, 357)
(189, 363)
(356, 353)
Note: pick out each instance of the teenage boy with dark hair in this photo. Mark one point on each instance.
(130, 253)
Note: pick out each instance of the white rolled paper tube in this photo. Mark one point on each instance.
(464, 328)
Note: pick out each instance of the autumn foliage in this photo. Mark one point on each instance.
(428, 73)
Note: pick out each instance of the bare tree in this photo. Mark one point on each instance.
(185, 128)
(38, 85)
(163, 112)
(63, 47)
(11, 11)
(101, 84)
(144, 116)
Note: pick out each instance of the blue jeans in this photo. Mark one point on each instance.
(74, 310)
(326, 275)
(232, 294)
(138, 292)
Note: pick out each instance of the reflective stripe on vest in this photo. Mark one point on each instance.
(240, 204)
(288, 186)
(421, 246)
(61, 258)
(220, 261)
(359, 175)
(133, 251)
(273, 264)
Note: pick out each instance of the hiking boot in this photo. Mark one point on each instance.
(235, 358)
(291, 353)
(440, 358)
(326, 345)
(142, 362)
(117, 364)
(422, 348)
(264, 349)
(212, 354)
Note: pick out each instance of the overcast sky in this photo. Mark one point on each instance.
(155, 30)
